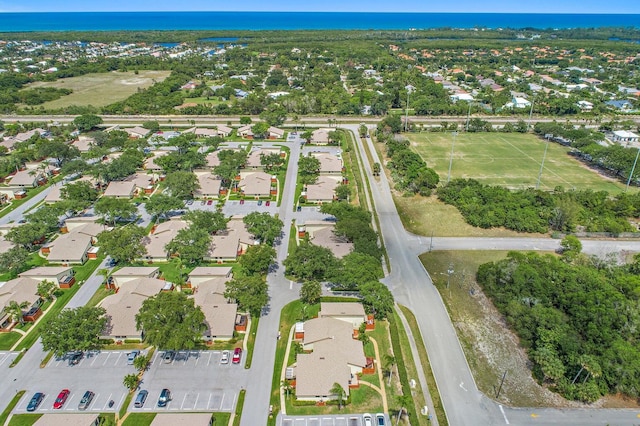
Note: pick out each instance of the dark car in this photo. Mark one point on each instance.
(380, 420)
(259, 202)
(168, 357)
(86, 400)
(75, 357)
(35, 401)
(61, 399)
(165, 397)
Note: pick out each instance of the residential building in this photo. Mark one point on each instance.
(71, 248)
(209, 184)
(321, 233)
(129, 273)
(122, 307)
(323, 191)
(256, 184)
(62, 276)
(137, 132)
(230, 243)
(255, 156)
(329, 164)
(320, 136)
(159, 237)
(120, 189)
(68, 419)
(349, 312)
(624, 136)
(191, 419)
(336, 357)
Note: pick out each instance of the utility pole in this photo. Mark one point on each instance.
(451, 157)
(466, 127)
(542, 164)
(501, 383)
(633, 169)
(531, 113)
(449, 273)
(406, 110)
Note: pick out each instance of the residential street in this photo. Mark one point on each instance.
(412, 286)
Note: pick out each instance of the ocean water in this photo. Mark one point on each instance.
(109, 21)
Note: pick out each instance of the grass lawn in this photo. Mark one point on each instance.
(12, 404)
(426, 366)
(82, 273)
(507, 159)
(428, 216)
(251, 341)
(139, 419)
(239, 406)
(30, 194)
(24, 419)
(100, 89)
(7, 340)
(490, 348)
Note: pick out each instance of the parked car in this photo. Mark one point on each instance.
(367, 419)
(61, 399)
(74, 357)
(36, 399)
(165, 397)
(209, 202)
(268, 203)
(237, 355)
(86, 400)
(190, 202)
(203, 202)
(111, 263)
(225, 357)
(141, 398)
(259, 202)
(242, 201)
(132, 356)
(380, 419)
(168, 357)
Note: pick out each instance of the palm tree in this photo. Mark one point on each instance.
(14, 310)
(338, 391)
(389, 362)
(130, 381)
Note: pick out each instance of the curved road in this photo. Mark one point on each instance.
(412, 286)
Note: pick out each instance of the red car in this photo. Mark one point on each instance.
(237, 354)
(268, 203)
(209, 202)
(61, 399)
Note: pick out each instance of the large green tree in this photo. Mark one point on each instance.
(308, 169)
(377, 299)
(263, 226)
(257, 259)
(191, 244)
(79, 195)
(208, 221)
(123, 244)
(251, 293)
(181, 184)
(111, 209)
(14, 260)
(161, 204)
(310, 262)
(76, 329)
(87, 122)
(171, 321)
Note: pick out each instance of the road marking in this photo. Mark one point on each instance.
(222, 400)
(462, 386)
(534, 415)
(209, 402)
(196, 403)
(106, 404)
(105, 361)
(94, 360)
(121, 400)
(503, 414)
(183, 400)
(209, 361)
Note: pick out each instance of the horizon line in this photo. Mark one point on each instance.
(322, 11)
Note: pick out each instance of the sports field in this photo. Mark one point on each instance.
(101, 88)
(508, 159)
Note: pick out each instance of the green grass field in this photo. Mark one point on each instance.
(507, 159)
(100, 89)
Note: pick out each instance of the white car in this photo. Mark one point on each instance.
(367, 419)
(225, 357)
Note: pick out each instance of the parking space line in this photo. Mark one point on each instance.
(105, 361)
(94, 360)
(209, 361)
(121, 399)
(106, 404)
(119, 356)
(183, 400)
(197, 398)
(222, 400)
(209, 401)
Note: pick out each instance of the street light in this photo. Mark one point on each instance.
(451, 157)
(406, 110)
(542, 164)
(450, 272)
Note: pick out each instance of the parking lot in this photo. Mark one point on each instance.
(234, 207)
(6, 358)
(335, 420)
(197, 380)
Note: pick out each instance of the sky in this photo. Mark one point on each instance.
(462, 6)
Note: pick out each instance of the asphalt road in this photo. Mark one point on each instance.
(19, 212)
(412, 286)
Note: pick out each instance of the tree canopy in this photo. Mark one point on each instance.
(123, 244)
(263, 226)
(191, 244)
(310, 262)
(171, 321)
(251, 293)
(76, 329)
